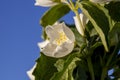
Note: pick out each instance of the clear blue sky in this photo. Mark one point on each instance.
(19, 34)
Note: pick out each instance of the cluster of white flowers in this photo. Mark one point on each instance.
(48, 3)
(60, 43)
(61, 39)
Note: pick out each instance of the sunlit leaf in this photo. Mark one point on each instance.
(54, 14)
(68, 65)
(100, 19)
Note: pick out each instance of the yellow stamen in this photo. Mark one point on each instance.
(62, 38)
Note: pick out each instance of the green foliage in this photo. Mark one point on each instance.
(117, 73)
(115, 41)
(45, 67)
(56, 0)
(68, 65)
(94, 54)
(90, 31)
(54, 14)
(114, 10)
(79, 72)
(99, 18)
(114, 34)
(56, 69)
(80, 41)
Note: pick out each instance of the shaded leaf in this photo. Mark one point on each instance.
(114, 10)
(45, 68)
(80, 41)
(114, 38)
(80, 73)
(114, 34)
(90, 29)
(116, 73)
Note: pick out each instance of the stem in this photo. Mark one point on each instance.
(71, 3)
(104, 73)
(90, 66)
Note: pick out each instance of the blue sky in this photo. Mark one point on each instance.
(19, 34)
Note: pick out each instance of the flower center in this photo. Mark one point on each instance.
(62, 38)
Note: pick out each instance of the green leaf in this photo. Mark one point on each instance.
(114, 56)
(114, 10)
(114, 34)
(116, 73)
(79, 73)
(100, 19)
(56, 0)
(59, 64)
(114, 37)
(97, 44)
(65, 68)
(90, 29)
(54, 14)
(45, 68)
(80, 41)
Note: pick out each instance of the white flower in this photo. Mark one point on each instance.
(84, 20)
(29, 73)
(45, 3)
(60, 43)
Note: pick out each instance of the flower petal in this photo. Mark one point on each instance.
(49, 49)
(64, 49)
(68, 32)
(43, 44)
(29, 73)
(51, 33)
(84, 20)
(78, 26)
(45, 3)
